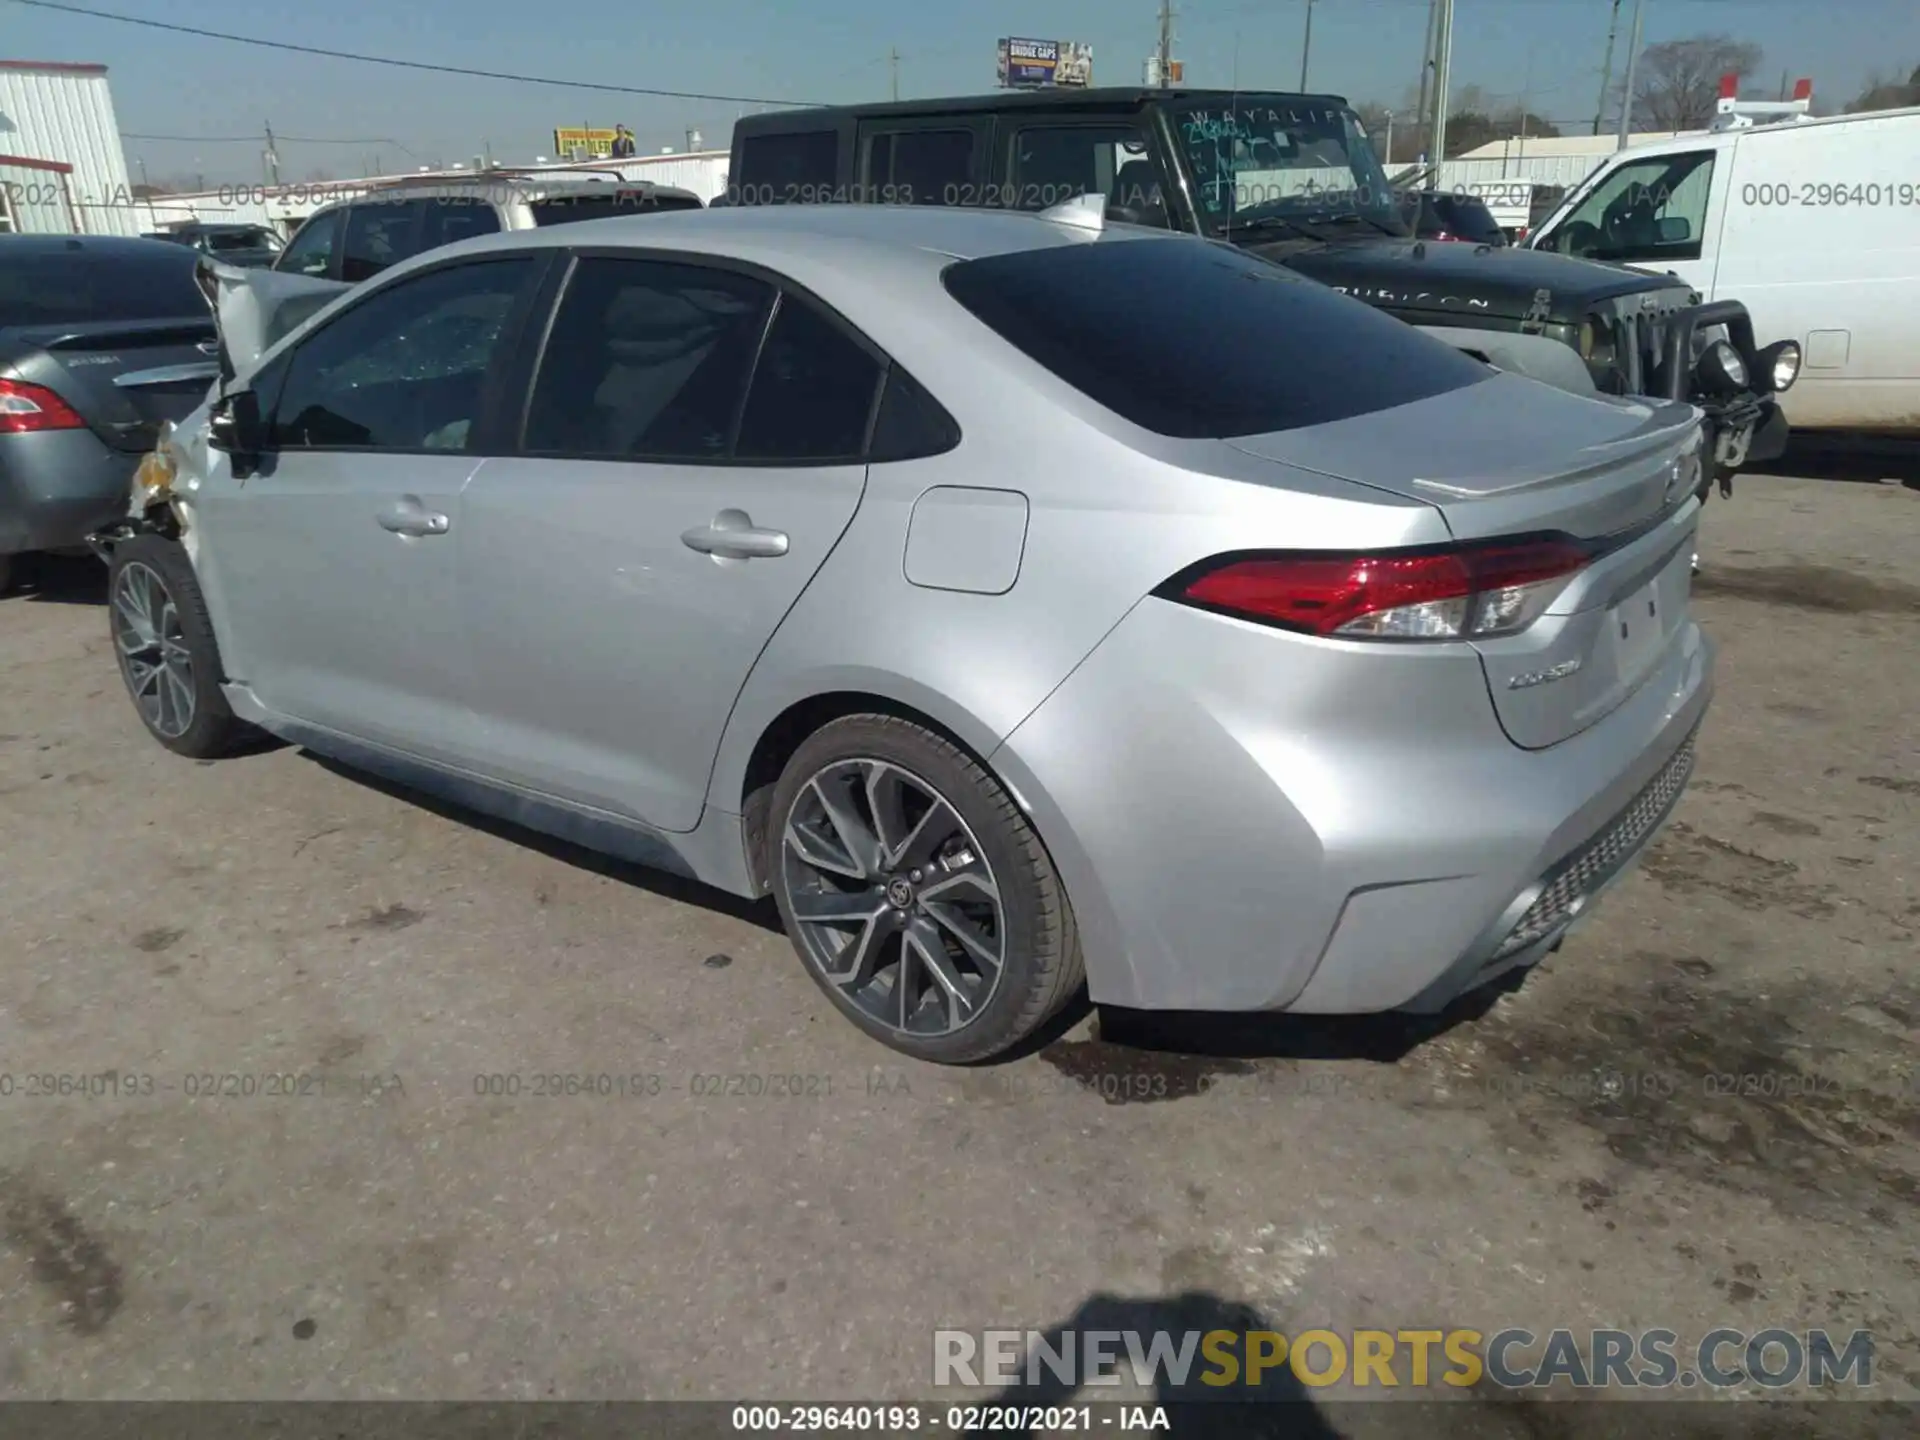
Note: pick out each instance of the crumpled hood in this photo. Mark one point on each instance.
(253, 308)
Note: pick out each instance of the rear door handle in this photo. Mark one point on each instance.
(734, 536)
(410, 517)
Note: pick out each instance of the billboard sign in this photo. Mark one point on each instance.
(1041, 64)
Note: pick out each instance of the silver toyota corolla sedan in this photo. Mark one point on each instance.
(1018, 600)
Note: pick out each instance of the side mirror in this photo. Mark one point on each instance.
(236, 426)
(1673, 230)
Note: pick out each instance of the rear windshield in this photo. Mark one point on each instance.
(1194, 339)
(75, 286)
(242, 240)
(564, 209)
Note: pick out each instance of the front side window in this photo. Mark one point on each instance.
(921, 167)
(379, 233)
(311, 251)
(404, 369)
(646, 360)
(1280, 162)
(1647, 210)
(1053, 164)
(1203, 341)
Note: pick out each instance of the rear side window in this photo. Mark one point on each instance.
(646, 360)
(911, 423)
(380, 233)
(457, 218)
(779, 169)
(813, 390)
(565, 209)
(921, 167)
(1198, 340)
(78, 286)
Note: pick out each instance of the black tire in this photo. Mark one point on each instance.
(214, 730)
(6, 573)
(1041, 967)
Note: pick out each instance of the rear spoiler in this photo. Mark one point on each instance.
(253, 308)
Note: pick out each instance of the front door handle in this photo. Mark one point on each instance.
(410, 517)
(734, 536)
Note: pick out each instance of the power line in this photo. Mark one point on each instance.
(251, 139)
(388, 60)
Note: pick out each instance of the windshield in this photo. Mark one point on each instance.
(1282, 157)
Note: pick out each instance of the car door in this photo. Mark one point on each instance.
(692, 453)
(1654, 213)
(334, 564)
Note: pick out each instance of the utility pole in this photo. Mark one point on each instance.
(1422, 116)
(1164, 63)
(1306, 47)
(1387, 159)
(1442, 81)
(273, 160)
(1633, 58)
(893, 69)
(1606, 69)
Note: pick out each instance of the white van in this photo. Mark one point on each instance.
(1814, 224)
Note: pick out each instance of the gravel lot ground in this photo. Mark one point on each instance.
(405, 1235)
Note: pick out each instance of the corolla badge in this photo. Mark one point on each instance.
(1544, 677)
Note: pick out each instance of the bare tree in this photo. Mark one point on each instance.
(1677, 82)
(1880, 93)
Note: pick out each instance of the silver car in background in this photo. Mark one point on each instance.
(1015, 599)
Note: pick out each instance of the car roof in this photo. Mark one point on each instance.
(1714, 139)
(1056, 98)
(747, 232)
(526, 185)
(102, 246)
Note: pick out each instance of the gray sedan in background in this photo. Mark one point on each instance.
(1018, 600)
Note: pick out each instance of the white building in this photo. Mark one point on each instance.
(62, 170)
(1555, 160)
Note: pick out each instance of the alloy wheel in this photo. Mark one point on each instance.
(892, 897)
(152, 645)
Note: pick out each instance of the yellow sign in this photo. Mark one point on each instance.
(592, 144)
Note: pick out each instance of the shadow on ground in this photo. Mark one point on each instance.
(1858, 459)
(60, 579)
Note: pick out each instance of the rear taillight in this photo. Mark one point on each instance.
(1468, 592)
(25, 408)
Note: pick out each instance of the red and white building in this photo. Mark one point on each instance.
(62, 168)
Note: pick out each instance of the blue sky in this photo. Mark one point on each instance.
(828, 50)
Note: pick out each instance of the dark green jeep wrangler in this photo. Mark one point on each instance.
(1294, 179)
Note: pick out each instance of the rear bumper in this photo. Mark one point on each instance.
(1246, 821)
(57, 486)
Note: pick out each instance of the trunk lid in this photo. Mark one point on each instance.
(1509, 457)
(122, 377)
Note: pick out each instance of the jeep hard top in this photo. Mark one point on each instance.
(1293, 178)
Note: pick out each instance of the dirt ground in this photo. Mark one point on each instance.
(1704, 1111)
